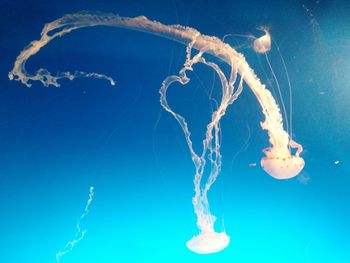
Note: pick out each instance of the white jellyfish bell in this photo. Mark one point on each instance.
(280, 163)
(283, 168)
(207, 243)
(263, 43)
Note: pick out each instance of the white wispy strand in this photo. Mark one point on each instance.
(80, 233)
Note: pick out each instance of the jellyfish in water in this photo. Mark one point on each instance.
(277, 167)
(279, 161)
(263, 43)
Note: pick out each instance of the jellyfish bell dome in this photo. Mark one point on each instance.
(262, 44)
(208, 242)
(283, 167)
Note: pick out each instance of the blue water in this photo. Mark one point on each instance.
(57, 142)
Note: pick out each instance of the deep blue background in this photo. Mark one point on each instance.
(57, 142)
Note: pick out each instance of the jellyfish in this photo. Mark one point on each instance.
(263, 43)
(281, 166)
(279, 161)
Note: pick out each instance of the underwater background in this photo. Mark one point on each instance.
(57, 142)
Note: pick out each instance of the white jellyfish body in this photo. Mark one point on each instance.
(207, 243)
(263, 43)
(282, 168)
(280, 163)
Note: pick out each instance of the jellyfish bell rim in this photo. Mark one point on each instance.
(208, 243)
(282, 167)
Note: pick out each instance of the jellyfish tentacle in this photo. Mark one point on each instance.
(293, 144)
(80, 233)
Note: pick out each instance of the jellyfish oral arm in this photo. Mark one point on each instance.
(71, 22)
(212, 45)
